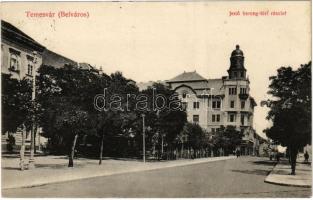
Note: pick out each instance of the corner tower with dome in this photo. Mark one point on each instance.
(225, 101)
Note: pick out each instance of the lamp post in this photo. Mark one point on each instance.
(31, 164)
(143, 138)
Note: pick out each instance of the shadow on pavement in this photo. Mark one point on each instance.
(11, 168)
(269, 162)
(254, 172)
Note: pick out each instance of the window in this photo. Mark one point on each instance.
(196, 105)
(184, 105)
(184, 95)
(243, 104)
(216, 118)
(195, 118)
(243, 90)
(232, 91)
(214, 130)
(30, 65)
(232, 104)
(29, 69)
(242, 119)
(216, 104)
(14, 60)
(232, 118)
(241, 74)
(235, 74)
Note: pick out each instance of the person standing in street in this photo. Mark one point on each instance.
(237, 153)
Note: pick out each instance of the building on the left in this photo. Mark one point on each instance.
(21, 56)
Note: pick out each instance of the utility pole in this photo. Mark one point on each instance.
(32, 139)
(143, 138)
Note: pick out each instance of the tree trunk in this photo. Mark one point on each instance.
(35, 134)
(71, 157)
(22, 150)
(101, 150)
(293, 159)
(162, 150)
(182, 150)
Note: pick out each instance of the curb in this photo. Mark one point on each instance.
(287, 184)
(101, 174)
(282, 183)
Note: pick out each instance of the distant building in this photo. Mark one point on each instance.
(215, 102)
(261, 146)
(145, 85)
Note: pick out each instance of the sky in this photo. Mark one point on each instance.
(150, 41)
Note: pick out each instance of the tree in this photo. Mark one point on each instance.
(164, 115)
(197, 138)
(118, 117)
(227, 138)
(66, 97)
(16, 103)
(17, 109)
(290, 109)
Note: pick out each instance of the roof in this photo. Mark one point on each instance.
(51, 58)
(14, 34)
(85, 66)
(217, 84)
(237, 51)
(187, 76)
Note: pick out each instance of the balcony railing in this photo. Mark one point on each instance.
(243, 96)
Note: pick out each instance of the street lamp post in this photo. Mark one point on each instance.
(143, 138)
(31, 164)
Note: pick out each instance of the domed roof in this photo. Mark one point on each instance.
(237, 51)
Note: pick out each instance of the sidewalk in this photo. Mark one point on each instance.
(53, 169)
(280, 175)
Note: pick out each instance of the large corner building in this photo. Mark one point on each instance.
(213, 103)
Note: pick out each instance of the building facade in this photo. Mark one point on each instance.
(213, 103)
(21, 56)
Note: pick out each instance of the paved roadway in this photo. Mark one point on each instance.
(242, 177)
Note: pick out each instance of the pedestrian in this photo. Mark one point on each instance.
(237, 153)
(277, 156)
(306, 157)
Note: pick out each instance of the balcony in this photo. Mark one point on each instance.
(243, 96)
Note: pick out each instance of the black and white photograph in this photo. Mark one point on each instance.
(156, 99)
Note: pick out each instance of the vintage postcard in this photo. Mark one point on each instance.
(156, 99)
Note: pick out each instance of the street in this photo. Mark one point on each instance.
(242, 177)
